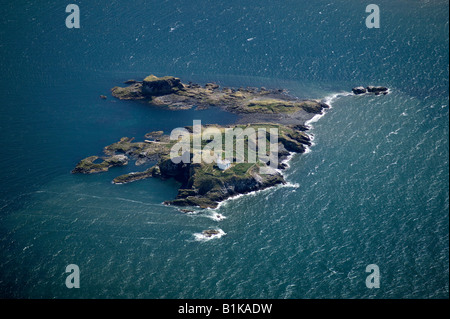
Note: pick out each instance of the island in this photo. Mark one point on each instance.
(202, 184)
(206, 185)
(252, 104)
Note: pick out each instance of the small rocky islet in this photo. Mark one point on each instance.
(205, 185)
(210, 232)
(170, 92)
(377, 90)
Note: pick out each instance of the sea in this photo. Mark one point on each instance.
(373, 189)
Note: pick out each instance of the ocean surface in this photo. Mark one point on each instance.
(373, 189)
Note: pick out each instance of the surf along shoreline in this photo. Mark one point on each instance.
(205, 185)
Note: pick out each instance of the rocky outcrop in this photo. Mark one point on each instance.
(377, 90)
(208, 191)
(359, 90)
(202, 184)
(168, 91)
(314, 106)
(135, 176)
(131, 92)
(87, 165)
(154, 86)
(210, 232)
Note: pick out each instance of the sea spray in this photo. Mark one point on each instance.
(204, 237)
(329, 100)
(207, 213)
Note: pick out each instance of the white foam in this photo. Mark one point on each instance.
(329, 100)
(203, 237)
(216, 216)
(287, 160)
(253, 193)
(290, 185)
(232, 198)
(308, 149)
(211, 214)
(333, 97)
(315, 118)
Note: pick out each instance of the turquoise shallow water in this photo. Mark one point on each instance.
(373, 188)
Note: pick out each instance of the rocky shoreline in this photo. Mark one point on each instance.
(254, 105)
(205, 185)
(202, 184)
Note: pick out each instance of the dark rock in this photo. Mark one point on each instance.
(300, 127)
(324, 105)
(283, 153)
(154, 86)
(377, 89)
(210, 232)
(359, 90)
(291, 145)
(183, 193)
(313, 106)
(186, 211)
(300, 137)
(211, 86)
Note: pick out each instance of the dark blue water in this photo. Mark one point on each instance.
(373, 188)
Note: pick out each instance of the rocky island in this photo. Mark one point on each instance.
(252, 104)
(202, 184)
(377, 90)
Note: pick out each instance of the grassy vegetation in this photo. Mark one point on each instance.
(131, 177)
(273, 106)
(132, 92)
(124, 145)
(152, 78)
(242, 138)
(88, 165)
(204, 177)
(203, 184)
(170, 92)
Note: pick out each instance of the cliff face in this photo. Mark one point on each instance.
(154, 86)
(214, 191)
(205, 190)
